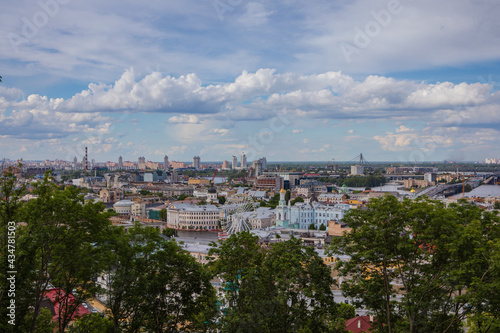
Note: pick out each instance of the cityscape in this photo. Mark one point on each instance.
(243, 166)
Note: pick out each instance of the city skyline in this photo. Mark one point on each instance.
(293, 81)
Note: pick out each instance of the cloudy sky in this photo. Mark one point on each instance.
(292, 80)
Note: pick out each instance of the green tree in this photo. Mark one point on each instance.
(284, 288)
(92, 323)
(496, 205)
(58, 244)
(155, 286)
(288, 194)
(297, 199)
(222, 200)
(312, 227)
(322, 227)
(435, 259)
(163, 214)
(10, 205)
(169, 232)
(274, 201)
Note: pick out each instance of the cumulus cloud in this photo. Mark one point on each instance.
(184, 119)
(207, 111)
(259, 95)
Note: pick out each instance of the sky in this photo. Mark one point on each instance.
(291, 80)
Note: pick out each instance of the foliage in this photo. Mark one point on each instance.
(437, 260)
(92, 323)
(288, 194)
(222, 200)
(297, 199)
(144, 192)
(54, 246)
(163, 214)
(169, 232)
(182, 197)
(154, 285)
(284, 288)
(274, 201)
(43, 322)
(202, 202)
(311, 226)
(496, 205)
(322, 227)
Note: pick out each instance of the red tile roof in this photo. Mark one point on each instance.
(358, 324)
(59, 298)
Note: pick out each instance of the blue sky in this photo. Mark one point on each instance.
(290, 80)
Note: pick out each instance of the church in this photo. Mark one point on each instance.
(303, 214)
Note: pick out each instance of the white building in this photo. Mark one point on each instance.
(302, 215)
(357, 170)
(234, 164)
(123, 207)
(139, 209)
(243, 161)
(186, 216)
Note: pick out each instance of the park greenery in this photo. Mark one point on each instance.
(419, 266)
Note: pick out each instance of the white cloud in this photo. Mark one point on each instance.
(297, 131)
(184, 119)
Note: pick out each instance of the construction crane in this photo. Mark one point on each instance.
(212, 181)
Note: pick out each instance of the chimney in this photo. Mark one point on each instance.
(371, 318)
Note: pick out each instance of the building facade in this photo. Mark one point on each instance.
(197, 162)
(243, 161)
(234, 164)
(186, 216)
(302, 215)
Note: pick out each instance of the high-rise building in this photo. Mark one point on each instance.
(263, 163)
(166, 165)
(225, 165)
(120, 162)
(257, 166)
(196, 162)
(243, 160)
(357, 170)
(142, 163)
(234, 165)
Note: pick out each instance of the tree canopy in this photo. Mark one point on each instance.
(282, 288)
(419, 266)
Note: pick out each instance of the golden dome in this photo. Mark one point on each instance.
(282, 190)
